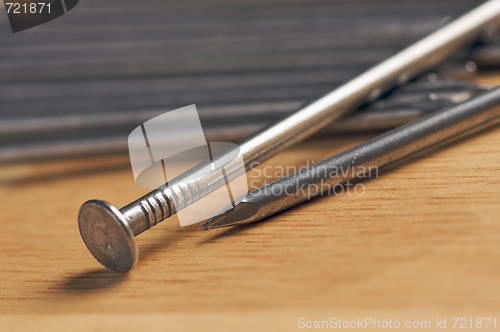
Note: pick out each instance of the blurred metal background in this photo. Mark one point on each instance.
(79, 84)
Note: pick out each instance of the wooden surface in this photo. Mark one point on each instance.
(422, 242)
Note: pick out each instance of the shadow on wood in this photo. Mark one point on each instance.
(92, 281)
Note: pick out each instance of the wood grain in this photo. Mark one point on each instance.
(422, 242)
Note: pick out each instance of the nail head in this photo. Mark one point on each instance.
(107, 235)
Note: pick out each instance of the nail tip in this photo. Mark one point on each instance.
(242, 213)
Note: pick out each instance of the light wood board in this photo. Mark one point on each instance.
(422, 242)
